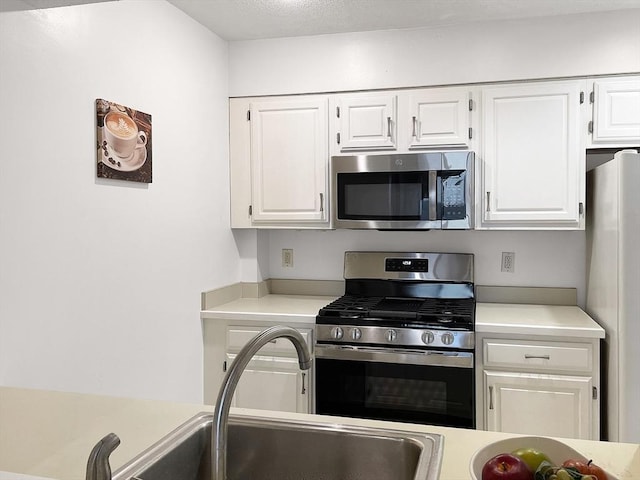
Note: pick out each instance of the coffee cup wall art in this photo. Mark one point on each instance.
(124, 142)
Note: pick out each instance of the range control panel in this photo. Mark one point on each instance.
(406, 265)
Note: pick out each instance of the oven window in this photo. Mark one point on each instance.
(432, 395)
(382, 196)
(407, 394)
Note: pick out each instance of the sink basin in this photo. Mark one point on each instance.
(263, 449)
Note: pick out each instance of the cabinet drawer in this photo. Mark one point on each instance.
(269, 363)
(538, 356)
(237, 337)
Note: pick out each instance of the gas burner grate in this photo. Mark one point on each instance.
(459, 307)
(439, 313)
(349, 306)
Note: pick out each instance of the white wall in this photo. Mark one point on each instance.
(576, 45)
(587, 44)
(100, 280)
(543, 259)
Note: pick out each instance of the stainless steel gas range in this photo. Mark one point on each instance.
(399, 345)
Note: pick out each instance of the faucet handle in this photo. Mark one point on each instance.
(98, 467)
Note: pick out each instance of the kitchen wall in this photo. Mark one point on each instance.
(576, 45)
(543, 259)
(100, 280)
(569, 45)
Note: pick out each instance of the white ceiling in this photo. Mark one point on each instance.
(254, 19)
(13, 5)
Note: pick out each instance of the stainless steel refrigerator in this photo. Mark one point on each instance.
(613, 287)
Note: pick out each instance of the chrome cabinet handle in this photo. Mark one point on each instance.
(415, 127)
(543, 357)
(321, 202)
(490, 398)
(304, 390)
(488, 201)
(389, 127)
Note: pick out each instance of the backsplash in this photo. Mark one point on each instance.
(542, 258)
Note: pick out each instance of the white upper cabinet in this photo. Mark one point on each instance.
(530, 140)
(289, 159)
(279, 162)
(616, 112)
(365, 122)
(401, 121)
(438, 117)
(533, 170)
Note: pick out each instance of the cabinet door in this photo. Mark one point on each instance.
(271, 383)
(549, 405)
(616, 112)
(366, 122)
(240, 162)
(438, 118)
(533, 156)
(289, 160)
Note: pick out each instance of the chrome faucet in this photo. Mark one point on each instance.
(230, 382)
(98, 467)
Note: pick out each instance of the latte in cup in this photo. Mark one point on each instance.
(121, 125)
(121, 133)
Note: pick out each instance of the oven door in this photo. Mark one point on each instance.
(415, 386)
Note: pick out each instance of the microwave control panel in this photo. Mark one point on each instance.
(453, 194)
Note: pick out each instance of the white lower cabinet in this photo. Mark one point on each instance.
(539, 386)
(552, 405)
(272, 383)
(272, 379)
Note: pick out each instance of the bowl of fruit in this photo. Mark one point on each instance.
(533, 458)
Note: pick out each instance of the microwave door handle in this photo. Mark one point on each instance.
(433, 181)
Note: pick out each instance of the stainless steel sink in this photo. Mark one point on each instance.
(261, 449)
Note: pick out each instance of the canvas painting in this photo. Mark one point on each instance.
(124, 142)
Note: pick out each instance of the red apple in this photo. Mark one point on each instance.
(506, 467)
(588, 468)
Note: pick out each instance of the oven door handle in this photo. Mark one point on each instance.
(388, 355)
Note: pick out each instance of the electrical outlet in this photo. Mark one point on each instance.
(287, 257)
(508, 262)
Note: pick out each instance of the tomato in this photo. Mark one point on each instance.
(588, 468)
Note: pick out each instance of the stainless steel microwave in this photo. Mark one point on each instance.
(415, 191)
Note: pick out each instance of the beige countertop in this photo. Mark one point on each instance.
(50, 434)
(555, 320)
(565, 321)
(290, 308)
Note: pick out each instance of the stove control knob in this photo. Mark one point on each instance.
(447, 338)
(428, 337)
(391, 335)
(337, 333)
(356, 334)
